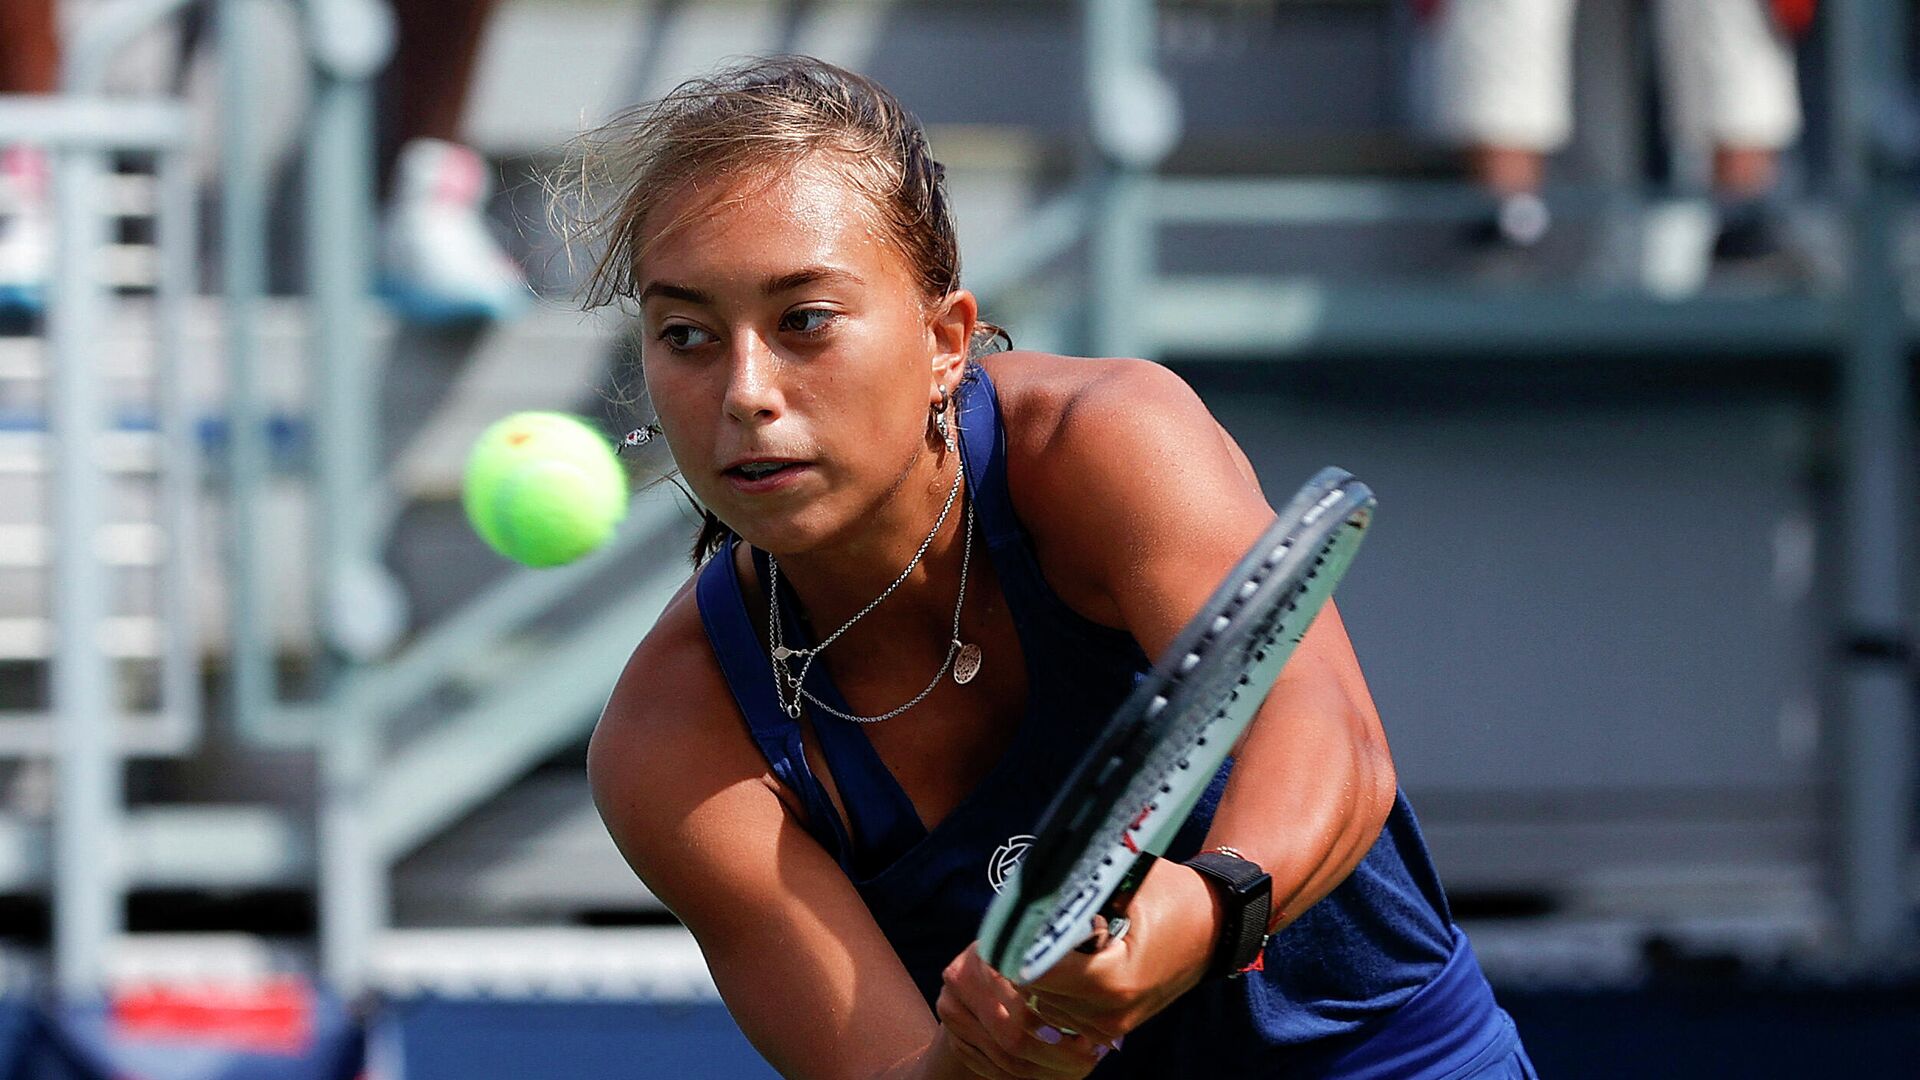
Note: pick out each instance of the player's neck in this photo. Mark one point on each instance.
(836, 581)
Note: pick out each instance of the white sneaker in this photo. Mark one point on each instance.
(26, 230)
(438, 262)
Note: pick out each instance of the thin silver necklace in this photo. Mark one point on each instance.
(790, 689)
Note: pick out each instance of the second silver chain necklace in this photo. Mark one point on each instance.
(962, 657)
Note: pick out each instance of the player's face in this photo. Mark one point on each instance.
(789, 353)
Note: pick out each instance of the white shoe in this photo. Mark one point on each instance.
(438, 262)
(26, 230)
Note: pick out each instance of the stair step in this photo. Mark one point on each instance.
(28, 733)
(23, 359)
(123, 637)
(129, 543)
(178, 846)
(122, 451)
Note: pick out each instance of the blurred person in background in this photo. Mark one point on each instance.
(1505, 91)
(437, 261)
(29, 64)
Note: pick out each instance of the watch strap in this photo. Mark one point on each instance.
(1246, 899)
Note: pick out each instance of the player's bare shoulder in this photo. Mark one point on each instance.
(671, 731)
(1083, 436)
(1038, 391)
(1110, 461)
(1057, 407)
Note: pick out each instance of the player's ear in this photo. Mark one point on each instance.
(951, 323)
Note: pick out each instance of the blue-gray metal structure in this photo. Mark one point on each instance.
(82, 127)
(1877, 416)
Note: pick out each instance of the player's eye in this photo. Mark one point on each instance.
(808, 320)
(683, 336)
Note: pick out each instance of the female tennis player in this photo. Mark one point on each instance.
(928, 574)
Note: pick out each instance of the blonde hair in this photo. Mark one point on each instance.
(771, 114)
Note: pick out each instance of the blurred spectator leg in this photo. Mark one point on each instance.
(29, 64)
(1732, 86)
(1504, 71)
(439, 261)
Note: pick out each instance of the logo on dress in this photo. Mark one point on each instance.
(1005, 858)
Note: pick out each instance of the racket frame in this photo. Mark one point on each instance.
(1157, 755)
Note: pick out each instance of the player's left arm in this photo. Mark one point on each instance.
(1160, 504)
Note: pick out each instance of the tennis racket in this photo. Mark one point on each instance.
(1128, 796)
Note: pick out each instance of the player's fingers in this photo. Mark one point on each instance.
(1069, 1016)
(963, 1041)
(968, 1037)
(985, 1047)
(1082, 993)
(1049, 1011)
(991, 1015)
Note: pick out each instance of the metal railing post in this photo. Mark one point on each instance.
(243, 280)
(360, 613)
(1135, 122)
(1877, 415)
(177, 228)
(88, 878)
(86, 831)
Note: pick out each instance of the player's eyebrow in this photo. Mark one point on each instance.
(675, 292)
(809, 275)
(773, 286)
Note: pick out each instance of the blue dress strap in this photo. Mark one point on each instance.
(885, 822)
(983, 446)
(749, 674)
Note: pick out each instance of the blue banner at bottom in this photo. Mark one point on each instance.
(559, 1040)
(275, 1031)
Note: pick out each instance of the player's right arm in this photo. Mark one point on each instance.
(802, 966)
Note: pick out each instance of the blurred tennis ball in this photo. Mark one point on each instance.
(543, 488)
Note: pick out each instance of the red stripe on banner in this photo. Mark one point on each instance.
(271, 1017)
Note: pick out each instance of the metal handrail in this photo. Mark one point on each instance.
(88, 877)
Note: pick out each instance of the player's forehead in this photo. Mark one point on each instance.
(756, 222)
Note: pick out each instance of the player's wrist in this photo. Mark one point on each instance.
(938, 1061)
(1191, 916)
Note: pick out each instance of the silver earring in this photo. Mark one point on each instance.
(940, 422)
(638, 437)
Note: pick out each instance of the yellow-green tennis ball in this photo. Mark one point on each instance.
(543, 488)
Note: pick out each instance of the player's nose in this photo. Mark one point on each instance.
(753, 393)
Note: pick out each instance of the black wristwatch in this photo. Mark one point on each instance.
(1246, 899)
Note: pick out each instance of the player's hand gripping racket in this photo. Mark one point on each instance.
(1131, 792)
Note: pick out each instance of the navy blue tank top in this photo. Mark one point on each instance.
(1337, 971)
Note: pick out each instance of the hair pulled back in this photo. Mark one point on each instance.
(764, 115)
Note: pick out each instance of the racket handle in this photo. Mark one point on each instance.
(1114, 911)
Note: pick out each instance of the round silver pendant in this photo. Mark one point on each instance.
(967, 664)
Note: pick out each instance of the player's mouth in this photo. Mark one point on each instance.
(760, 475)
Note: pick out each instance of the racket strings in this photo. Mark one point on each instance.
(1146, 774)
(1192, 734)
